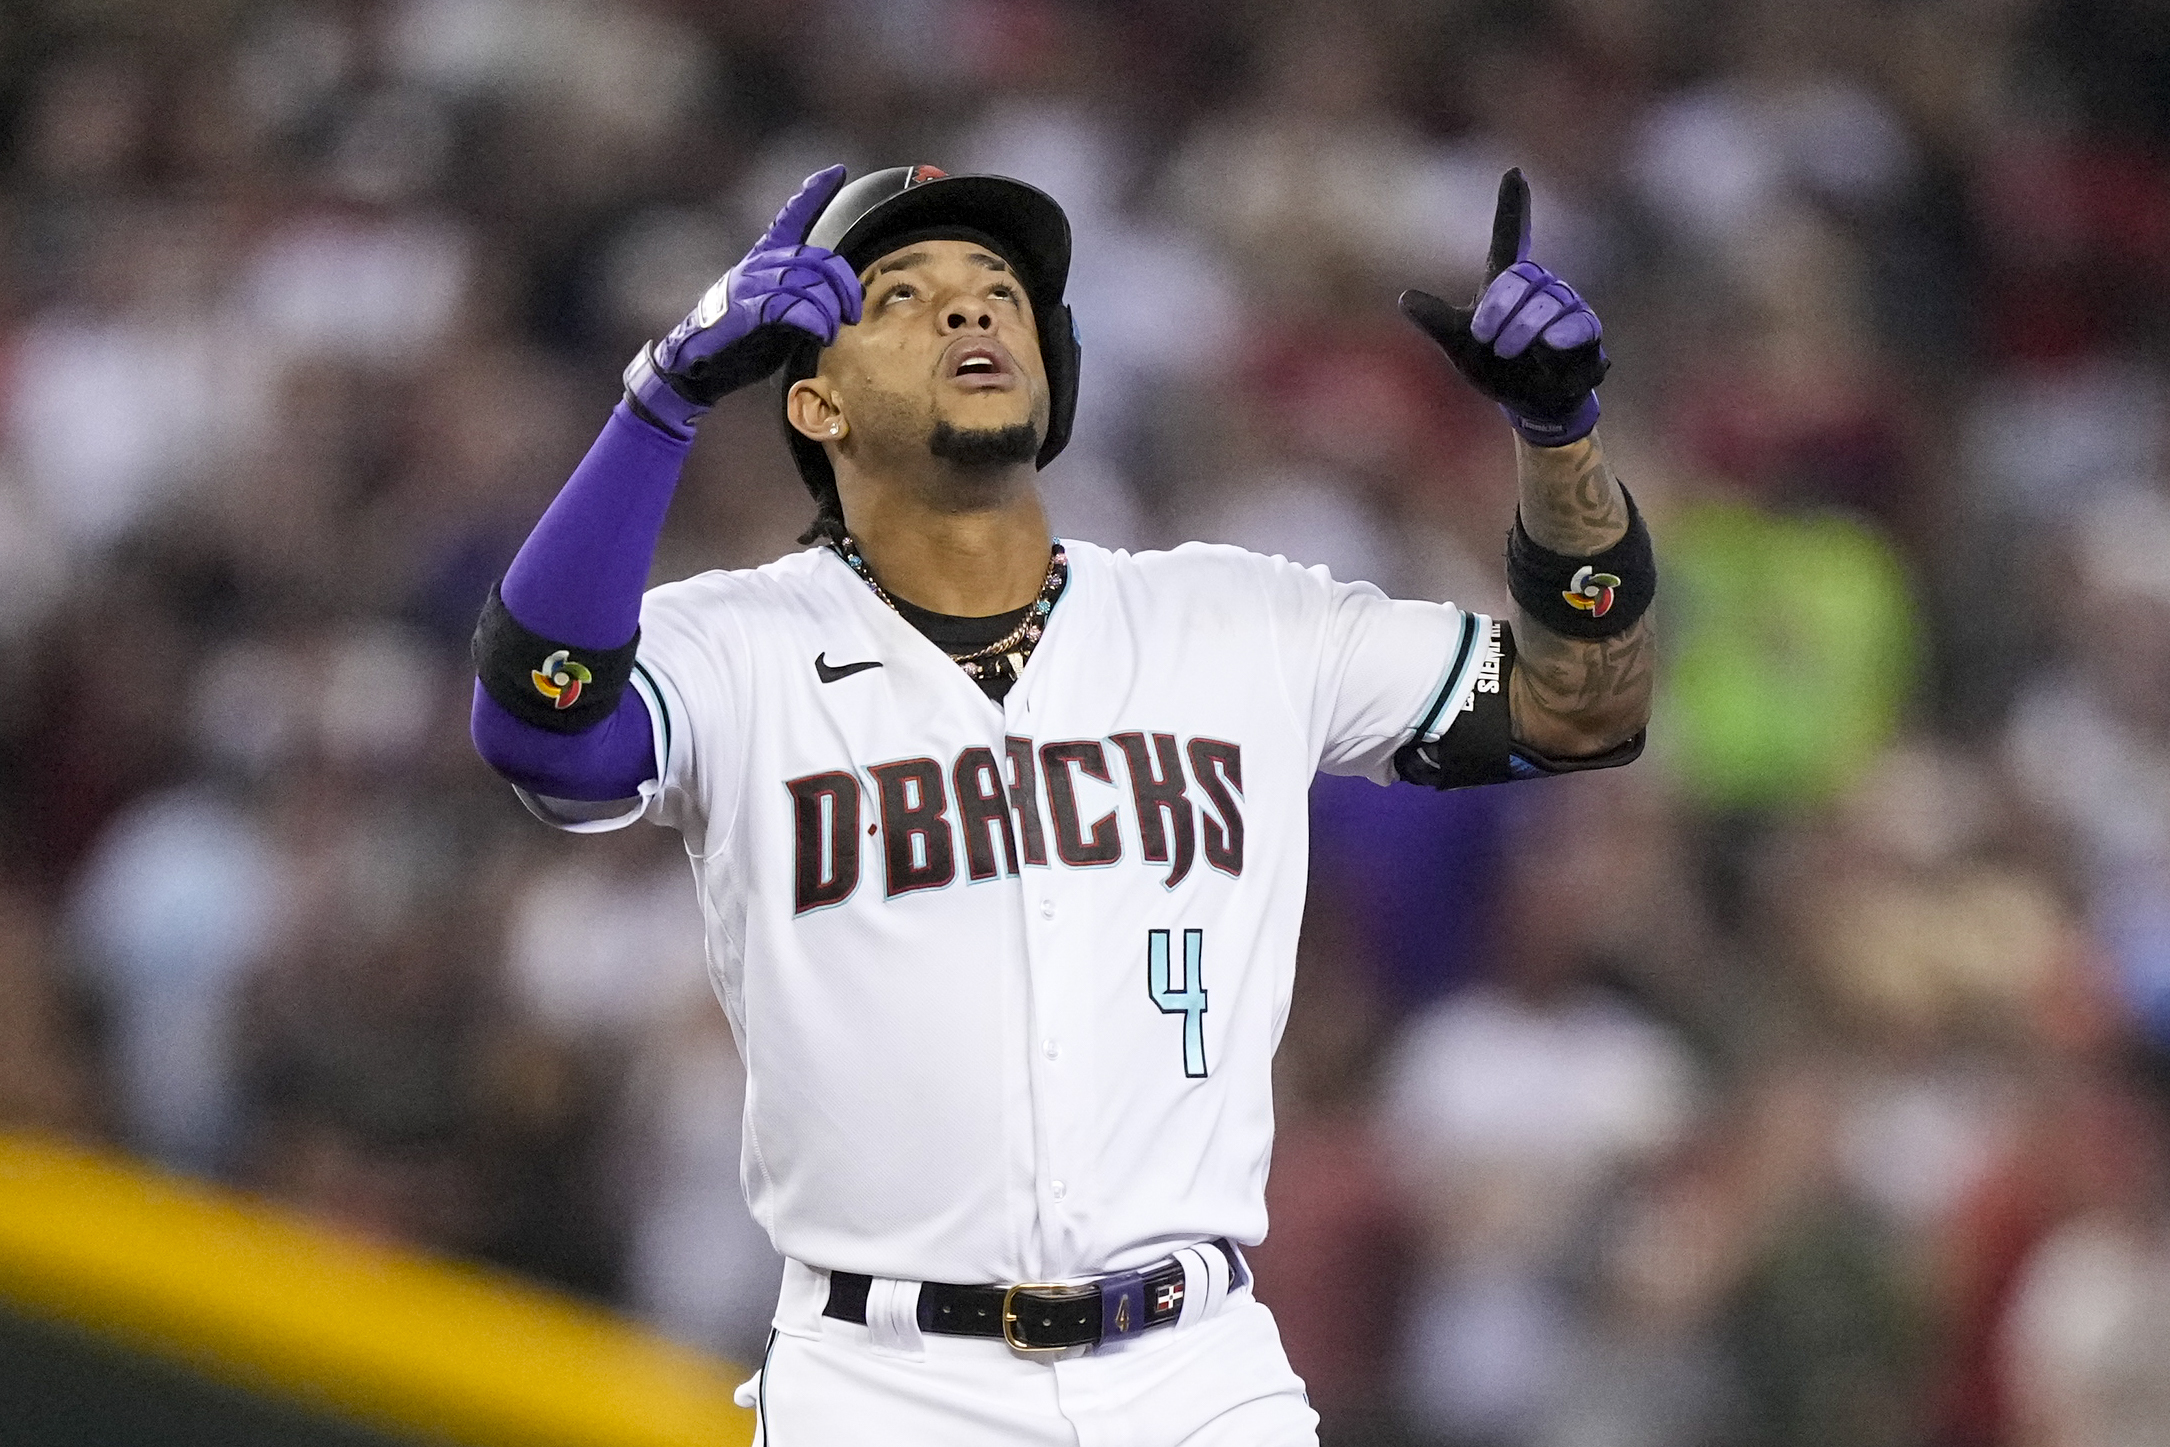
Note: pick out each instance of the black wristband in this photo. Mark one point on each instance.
(1594, 597)
(540, 681)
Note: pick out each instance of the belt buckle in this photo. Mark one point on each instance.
(1009, 1312)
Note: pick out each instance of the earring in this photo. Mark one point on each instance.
(833, 429)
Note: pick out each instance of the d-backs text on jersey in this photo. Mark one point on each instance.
(989, 811)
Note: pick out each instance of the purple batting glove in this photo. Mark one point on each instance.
(748, 322)
(1531, 343)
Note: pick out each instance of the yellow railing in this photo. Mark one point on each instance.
(254, 1296)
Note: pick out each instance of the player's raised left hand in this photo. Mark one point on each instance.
(1531, 343)
(746, 324)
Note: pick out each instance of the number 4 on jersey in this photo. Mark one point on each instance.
(1187, 999)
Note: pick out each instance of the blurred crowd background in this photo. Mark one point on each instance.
(1803, 1084)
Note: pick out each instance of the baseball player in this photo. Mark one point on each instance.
(1000, 838)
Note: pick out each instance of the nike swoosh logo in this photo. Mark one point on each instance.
(831, 672)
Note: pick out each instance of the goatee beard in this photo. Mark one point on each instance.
(984, 448)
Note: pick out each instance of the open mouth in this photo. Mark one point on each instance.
(980, 365)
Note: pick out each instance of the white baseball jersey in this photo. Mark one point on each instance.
(1008, 978)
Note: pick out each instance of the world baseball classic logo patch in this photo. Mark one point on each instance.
(559, 679)
(1587, 590)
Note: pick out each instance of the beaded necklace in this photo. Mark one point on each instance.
(1006, 654)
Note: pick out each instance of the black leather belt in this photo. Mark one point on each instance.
(1043, 1316)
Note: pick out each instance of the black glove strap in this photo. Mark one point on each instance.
(1594, 597)
(540, 681)
(741, 364)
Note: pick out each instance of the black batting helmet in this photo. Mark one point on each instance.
(883, 210)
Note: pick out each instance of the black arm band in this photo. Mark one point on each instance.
(1478, 746)
(1472, 747)
(1594, 597)
(556, 686)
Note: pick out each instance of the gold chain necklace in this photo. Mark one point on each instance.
(1007, 653)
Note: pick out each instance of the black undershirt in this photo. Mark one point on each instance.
(954, 635)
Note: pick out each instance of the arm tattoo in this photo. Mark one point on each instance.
(1574, 697)
(1570, 502)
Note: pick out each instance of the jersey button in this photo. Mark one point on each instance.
(1050, 1049)
(1047, 909)
(1057, 1189)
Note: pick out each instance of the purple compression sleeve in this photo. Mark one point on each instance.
(610, 761)
(579, 578)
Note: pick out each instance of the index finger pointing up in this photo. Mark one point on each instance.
(802, 210)
(1510, 225)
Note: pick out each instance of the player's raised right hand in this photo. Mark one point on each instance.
(748, 322)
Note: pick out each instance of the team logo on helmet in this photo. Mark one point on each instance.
(1590, 591)
(559, 679)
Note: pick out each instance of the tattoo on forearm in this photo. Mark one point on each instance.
(1570, 500)
(1575, 697)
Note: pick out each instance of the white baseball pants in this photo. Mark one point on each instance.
(1217, 1378)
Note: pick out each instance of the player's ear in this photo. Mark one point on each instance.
(815, 411)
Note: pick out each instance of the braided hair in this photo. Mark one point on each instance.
(802, 362)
